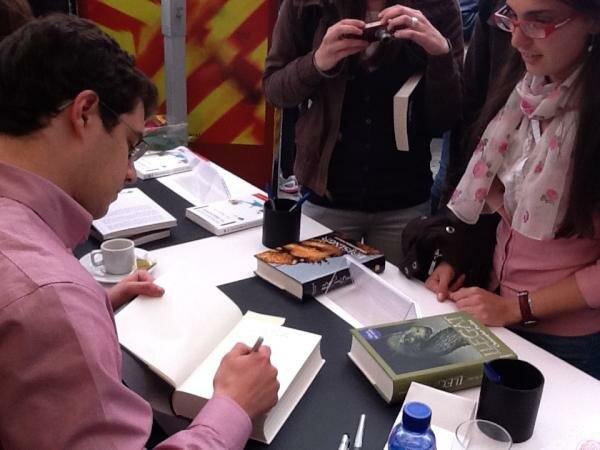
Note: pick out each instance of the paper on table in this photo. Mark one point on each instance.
(266, 318)
(448, 411)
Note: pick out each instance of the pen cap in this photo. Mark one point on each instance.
(416, 417)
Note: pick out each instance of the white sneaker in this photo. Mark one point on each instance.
(288, 185)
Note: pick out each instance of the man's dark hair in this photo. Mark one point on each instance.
(13, 14)
(48, 61)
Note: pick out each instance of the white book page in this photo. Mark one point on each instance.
(289, 350)
(130, 211)
(175, 332)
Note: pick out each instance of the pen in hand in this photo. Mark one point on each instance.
(257, 344)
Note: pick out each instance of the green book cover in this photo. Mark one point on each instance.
(445, 351)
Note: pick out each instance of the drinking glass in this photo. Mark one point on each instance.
(480, 434)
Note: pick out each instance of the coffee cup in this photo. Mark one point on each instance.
(116, 255)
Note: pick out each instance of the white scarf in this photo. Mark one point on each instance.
(537, 211)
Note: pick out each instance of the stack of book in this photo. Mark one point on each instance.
(135, 216)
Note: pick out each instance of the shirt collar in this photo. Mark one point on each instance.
(67, 218)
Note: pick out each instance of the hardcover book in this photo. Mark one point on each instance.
(314, 266)
(446, 352)
(183, 336)
(227, 216)
(132, 214)
(402, 111)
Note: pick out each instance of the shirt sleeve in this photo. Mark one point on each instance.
(61, 381)
(588, 281)
(221, 425)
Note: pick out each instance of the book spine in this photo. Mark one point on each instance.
(327, 282)
(448, 379)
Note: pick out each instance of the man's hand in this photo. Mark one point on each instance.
(489, 308)
(440, 279)
(139, 282)
(337, 44)
(249, 379)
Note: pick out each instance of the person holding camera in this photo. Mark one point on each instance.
(342, 70)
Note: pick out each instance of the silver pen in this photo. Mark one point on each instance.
(257, 344)
(345, 442)
(358, 440)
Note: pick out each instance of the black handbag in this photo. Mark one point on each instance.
(429, 240)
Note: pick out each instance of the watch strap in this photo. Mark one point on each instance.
(527, 317)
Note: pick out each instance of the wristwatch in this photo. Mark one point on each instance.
(527, 317)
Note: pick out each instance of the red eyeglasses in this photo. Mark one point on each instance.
(530, 28)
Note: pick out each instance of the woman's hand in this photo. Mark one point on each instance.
(440, 281)
(489, 308)
(408, 23)
(339, 42)
(139, 282)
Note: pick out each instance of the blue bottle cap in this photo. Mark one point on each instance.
(416, 417)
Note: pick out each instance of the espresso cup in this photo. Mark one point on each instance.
(281, 224)
(510, 396)
(116, 255)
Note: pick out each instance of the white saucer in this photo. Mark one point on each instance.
(99, 273)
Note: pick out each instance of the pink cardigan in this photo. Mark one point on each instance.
(524, 263)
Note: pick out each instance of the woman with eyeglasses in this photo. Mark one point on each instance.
(536, 156)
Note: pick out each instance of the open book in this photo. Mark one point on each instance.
(132, 215)
(402, 111)
(183, 336)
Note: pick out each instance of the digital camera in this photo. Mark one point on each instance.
(376, 31)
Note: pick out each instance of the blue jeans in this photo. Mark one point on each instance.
(581, 351)
(440, 177)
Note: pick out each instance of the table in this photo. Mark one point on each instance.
(569, 410)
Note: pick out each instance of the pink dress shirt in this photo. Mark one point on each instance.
(60, 362)
(522, 263)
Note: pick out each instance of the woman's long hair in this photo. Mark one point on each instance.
(584, 196)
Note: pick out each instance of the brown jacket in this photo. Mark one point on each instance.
(291, 79)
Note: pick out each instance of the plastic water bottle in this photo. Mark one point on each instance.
(413, 433)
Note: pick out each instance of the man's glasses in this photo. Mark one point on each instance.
(140, 147)
(503, 18)
(135, 152)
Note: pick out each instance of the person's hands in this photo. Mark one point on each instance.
(249, 379)
(336, 44)
(401, 21)
(489, 308)
(440, 281)
(139, 282)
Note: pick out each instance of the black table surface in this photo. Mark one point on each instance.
(185, 231)
(339, 394)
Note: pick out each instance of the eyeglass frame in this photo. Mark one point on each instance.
(548, 29)
(138, 149)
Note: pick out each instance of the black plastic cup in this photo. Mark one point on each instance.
(512, 401)
(280, 225)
